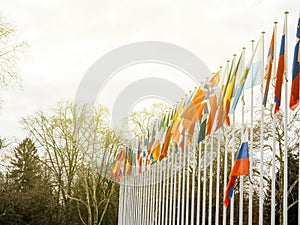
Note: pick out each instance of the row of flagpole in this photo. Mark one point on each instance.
(161, 193)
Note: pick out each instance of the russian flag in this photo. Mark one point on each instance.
(280, 72)
(294, 98)
(240, 167)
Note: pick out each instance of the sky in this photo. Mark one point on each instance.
(67, 36)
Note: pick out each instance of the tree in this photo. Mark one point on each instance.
(78, 142)
(140, 122)
(26, 170)
(292, 151)
(10, 54)
(26, 196)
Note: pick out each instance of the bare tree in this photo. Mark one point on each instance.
(78, 142)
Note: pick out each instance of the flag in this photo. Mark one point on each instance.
(253, 71)
(165, 146)
(280, 72)
(251, 74)
(203, 125)
(230, 89)
(116, 170)
(158, 140)
(193, 111)
(214, 81)
(269, 68)
(294, 98)
(219, 121)
(240, 167)
(213, 109)
(220, 116)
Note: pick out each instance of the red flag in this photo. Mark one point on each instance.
(280, 72)
(240, 167)
(294, 98)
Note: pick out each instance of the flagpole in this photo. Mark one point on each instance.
(199, 184)
(273, 201)
(160, 193)
(187, 184)
(285, 178)
(204, 184)
(120, 205)
(157, 182)
(174, 188)
(225, 173)
(251, 152)
(210, 180)
(179, 187)
(171, 188)
(149, 194)
(261, 176)
(167, 189)
(241, 207)
(225, 177)
(183, 182)
(232, 163)
(164, 193)
(193, 180)
(218, 181)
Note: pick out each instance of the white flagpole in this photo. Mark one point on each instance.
(187, 184)
(225, 173)
(241, 207)
(160, 193)
(261, 180)
(174, 188)
(232, 163)
(183, 182)
(218, 178)
(167, 191)
(124, 200)
(193, 180)
(171, 189)
(273, 201)
(171, 203)
(218, 181)
(199, 184)
(120, 205)
(251, 153)
(157, 182)
(285, 178)
(148, 183)
(225, 178)
(210, 180)
(164, 193)
(179, 187)
(204, 184)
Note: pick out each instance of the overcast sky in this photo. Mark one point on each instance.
(67, 36)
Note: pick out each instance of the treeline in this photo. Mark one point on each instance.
(55, 175)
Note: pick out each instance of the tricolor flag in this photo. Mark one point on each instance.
(269, 68)
(294, 98)
(240, 167)
(280, 71)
